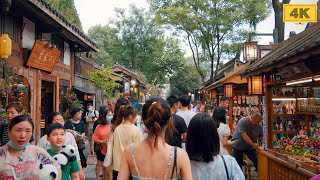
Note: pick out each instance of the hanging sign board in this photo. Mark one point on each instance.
(43, 56)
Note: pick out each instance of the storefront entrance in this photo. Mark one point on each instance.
(47, 102)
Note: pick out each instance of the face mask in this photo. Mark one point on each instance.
(90, 109)
(76, 119)
(109, 118)
(18, 148)
(55, 147)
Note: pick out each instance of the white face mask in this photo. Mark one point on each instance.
(90, 109)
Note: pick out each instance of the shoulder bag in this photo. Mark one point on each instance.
(108, 159)
(225, 167)
(91, 159)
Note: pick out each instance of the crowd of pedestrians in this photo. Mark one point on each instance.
(171, 141)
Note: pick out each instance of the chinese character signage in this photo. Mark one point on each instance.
(43, 56)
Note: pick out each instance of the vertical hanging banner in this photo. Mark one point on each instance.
(127, 89)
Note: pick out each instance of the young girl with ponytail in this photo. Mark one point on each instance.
(124, 133)
(153, 158)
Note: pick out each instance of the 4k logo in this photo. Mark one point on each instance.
(299, 13)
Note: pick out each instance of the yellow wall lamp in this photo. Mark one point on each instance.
(5, 46)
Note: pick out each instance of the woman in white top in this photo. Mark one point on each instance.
(219, 117)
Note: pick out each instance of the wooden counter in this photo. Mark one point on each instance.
(274, 168)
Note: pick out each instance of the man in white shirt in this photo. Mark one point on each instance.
(91, 116)
(184, 112)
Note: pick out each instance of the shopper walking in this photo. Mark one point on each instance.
(43, 142)
(19, 159)
(203, 146)
(125, 132)
(101, 137)
(219, 117)
(153, 158)
(76, 127)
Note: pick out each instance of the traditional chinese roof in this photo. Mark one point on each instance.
(231, 77)
(301, 46)
(118, 68)
(42, 8)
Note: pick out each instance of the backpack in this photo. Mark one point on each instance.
(94, 112)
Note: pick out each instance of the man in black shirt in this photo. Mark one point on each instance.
(180, 133)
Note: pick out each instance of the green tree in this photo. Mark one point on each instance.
(102, 81)
(68, 10)
(278, 20)
(134, 39)
(209, 25)
(185, 80)
(110, 47)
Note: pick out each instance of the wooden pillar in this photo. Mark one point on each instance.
(57, 94)
(37, 118)
(269, 116)
(230, 120)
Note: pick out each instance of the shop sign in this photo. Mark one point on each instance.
(127, 89)
(43, 56)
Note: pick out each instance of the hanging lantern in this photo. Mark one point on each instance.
(5, 46)
(250, 51)
(228, 90)
(255, 85)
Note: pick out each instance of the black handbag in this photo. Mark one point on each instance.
(97, 147)
(81, 145)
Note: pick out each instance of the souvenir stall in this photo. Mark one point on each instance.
(292, 88)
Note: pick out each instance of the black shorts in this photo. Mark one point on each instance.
(100, 156)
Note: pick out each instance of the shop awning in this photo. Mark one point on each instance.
(84, 90)
(232, 77)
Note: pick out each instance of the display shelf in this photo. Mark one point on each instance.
(283, 97)
(285, 132)
(308, 113)
(283, 115)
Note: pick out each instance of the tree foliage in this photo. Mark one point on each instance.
(209, 26)
(68, 10)
(279, 27)
(134, 40)
(185, 80)
(102, 81)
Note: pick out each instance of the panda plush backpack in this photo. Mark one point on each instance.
(48, 172)
(67, 155)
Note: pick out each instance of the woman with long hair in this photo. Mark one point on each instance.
(219, 117)
(101, 137)
(153, 158)
(203, 146)
(125, 132)
(122, 101)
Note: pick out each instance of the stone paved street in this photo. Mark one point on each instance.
(89, 171)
